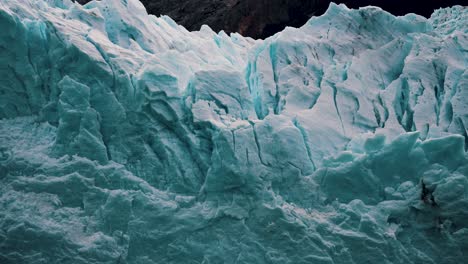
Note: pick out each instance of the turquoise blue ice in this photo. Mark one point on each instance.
(124, 138)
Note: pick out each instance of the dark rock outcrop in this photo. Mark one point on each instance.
(263, 18)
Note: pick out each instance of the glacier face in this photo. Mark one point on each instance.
(124, 138)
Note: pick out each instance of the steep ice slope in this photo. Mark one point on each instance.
(127, 139)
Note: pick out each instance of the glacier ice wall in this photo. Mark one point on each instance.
(124, 138)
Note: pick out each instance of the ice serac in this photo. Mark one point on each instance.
(125, 138)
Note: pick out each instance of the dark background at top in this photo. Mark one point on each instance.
(263, 18)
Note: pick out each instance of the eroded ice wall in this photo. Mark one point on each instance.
(127, 139)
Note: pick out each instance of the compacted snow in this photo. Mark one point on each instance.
(124, 138)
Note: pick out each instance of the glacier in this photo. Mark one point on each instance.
(125, 138)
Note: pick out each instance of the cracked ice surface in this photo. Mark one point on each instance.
(124, 138)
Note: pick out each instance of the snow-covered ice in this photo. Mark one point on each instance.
(125, 138)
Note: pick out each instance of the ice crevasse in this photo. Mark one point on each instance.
(125, 138)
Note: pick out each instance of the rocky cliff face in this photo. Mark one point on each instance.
(263, 18)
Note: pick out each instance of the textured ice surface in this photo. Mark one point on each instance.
(124, 138)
